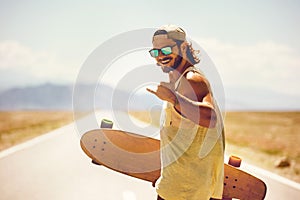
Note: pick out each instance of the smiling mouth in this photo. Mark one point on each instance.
(165, 60)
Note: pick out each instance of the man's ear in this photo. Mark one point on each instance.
(183, 48)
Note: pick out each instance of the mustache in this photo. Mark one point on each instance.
(165, 58)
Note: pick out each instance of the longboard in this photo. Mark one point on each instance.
(138, 156)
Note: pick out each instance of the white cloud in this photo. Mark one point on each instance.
(13, 54)
(266, 64)
(16, 58)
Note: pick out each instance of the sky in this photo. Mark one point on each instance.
(255, 45)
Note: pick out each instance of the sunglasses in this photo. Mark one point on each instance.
(165, 51)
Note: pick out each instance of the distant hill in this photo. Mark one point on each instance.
(47, 96)
(60, 97)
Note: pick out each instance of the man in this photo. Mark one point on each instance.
(192, 140)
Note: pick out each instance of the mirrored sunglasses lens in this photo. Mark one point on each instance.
(154, 53)
(166, 50)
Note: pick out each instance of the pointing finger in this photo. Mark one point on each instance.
(151, 91)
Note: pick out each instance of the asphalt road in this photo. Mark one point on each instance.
(54, 167)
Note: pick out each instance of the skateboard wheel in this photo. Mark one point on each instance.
(106, 123)
(235, 161)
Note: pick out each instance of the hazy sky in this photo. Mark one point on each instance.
(254, 44)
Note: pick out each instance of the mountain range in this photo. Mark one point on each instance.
(60, 97)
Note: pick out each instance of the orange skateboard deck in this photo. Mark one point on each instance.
(138, 156)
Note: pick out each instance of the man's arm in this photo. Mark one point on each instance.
(200, 113)
(192, 100)
(195, 101)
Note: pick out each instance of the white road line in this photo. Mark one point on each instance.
(129, 195)
(255, 170)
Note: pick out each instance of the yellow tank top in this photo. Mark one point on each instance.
(192, 158)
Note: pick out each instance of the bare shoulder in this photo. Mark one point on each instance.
(196, 77)
(198, 83)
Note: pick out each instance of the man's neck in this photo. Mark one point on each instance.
(181, 69)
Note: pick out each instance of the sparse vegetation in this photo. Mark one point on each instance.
(19, 126)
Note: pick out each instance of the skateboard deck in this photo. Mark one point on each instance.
(138, 156)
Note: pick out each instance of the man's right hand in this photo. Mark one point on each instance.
(166, 91)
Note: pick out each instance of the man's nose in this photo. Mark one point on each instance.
(160, 54)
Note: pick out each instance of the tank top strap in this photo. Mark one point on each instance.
(191, 68)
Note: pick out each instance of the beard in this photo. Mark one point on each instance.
(177, 62)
